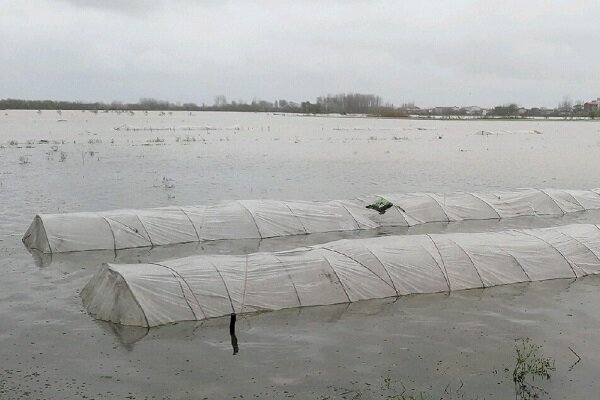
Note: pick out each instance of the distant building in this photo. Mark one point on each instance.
(445, 110)
(592, 106)
(411, 109)
(473, 110)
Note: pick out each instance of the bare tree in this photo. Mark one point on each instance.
(220, 100)
(566, 105)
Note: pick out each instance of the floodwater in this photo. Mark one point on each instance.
(439, 345)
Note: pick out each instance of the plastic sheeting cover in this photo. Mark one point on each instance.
(208, 286)
(250, 219)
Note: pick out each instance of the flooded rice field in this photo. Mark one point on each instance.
(441, 346)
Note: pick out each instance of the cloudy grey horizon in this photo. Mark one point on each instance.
(433, 53)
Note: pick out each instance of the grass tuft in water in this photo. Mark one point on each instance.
(530, 364)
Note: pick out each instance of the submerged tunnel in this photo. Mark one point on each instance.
(209, 286)
(257, 219)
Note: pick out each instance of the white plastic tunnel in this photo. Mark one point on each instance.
(256, 219)
(208, 286)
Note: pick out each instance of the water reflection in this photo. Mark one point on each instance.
(128, 336)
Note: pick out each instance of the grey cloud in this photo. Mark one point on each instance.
(132, 7)
(434, 53)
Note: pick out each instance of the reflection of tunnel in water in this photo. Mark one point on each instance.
(211, 331)
(234, 342)
(128, 336)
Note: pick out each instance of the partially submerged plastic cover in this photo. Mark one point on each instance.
(207, 286)
(255, 219)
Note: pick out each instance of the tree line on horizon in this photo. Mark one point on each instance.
(350, 103)
(345, 103)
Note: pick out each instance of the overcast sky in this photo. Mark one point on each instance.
(431, 52)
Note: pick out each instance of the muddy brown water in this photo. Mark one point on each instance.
(50, 348)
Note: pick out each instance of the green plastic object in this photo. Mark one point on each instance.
(381, 205)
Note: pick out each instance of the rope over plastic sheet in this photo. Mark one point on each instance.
(209, 286)
(255, 219)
